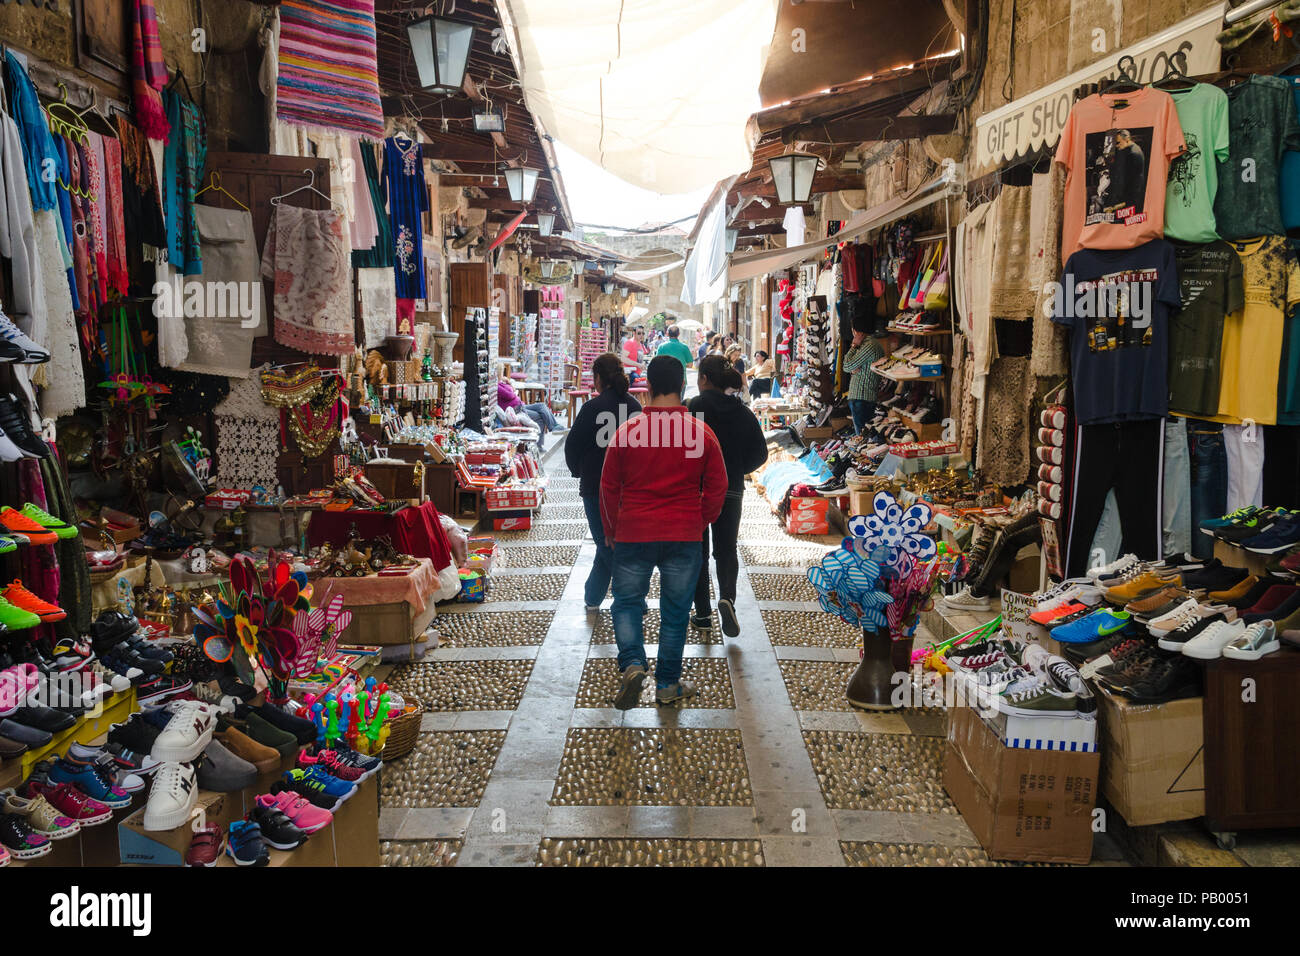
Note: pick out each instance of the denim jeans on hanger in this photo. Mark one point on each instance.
(1108, 538)
(1177, 488)
(1209, 480)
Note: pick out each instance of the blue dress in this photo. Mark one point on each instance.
(408, 199)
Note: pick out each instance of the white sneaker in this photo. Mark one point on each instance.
(1115, 567)
(186, 734)
(964, 600)
(11, 332)
(172, 797)
(1171, 620)
(8, 450)
(1258, 639)
(1209, 644)
(225, 703)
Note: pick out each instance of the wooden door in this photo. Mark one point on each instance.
(470, 288)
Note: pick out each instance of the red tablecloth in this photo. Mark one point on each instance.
(413, 531)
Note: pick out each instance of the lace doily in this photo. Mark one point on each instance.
(245, 400)
(247, 450)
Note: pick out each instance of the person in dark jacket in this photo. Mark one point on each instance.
(584, 453)
(743, 449)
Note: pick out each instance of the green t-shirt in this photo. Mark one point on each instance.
(1210, 286)
(1194, 173)
(678, 350)
(1262, 126)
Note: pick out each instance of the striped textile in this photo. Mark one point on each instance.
(327, 75)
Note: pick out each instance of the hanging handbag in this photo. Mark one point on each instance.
(936, 296)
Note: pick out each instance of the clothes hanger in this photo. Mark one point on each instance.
(1124, 81)
(1175, 78)
(309, 185)
(179, 78)
(67, 122)
(214, 183)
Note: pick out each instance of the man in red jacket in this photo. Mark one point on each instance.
(663, 483)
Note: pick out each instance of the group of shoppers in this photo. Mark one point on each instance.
(653, 482)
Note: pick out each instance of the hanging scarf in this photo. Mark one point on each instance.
(148, 71)
(118, 277)
(38, 144)
(97, 214)
(187, 151)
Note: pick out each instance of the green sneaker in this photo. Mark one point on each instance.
(1211, 525)
(1038, 700)
(49, 522)
(8, 544)
(15, 618)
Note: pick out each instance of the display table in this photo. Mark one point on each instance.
(388, 609)
(415, 531)
(530, 393)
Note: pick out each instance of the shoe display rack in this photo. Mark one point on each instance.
(550, 342)
(593, 341)
(480, 381)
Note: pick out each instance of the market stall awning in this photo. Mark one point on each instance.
(644, 275)
(753, 264)
(658, 92)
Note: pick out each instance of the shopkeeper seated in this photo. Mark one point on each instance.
(539, 412)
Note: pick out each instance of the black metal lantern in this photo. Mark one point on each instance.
(441, 49)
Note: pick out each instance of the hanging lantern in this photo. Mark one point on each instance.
(441, 49)
(732, 236)
(490, 120)
(607, 288)
(522, 183)
(792, 174)
(548, 268)
(610, 268)
(545, 223)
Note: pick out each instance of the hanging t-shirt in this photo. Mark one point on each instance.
(1116, 149)
(795, 226)
(1289, 177)
(1194, 173)
(1262, 126)
(1209, 280)
(408, 198)
(1116, 303)
(1253, 335)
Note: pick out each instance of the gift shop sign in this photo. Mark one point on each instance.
(1036, 120)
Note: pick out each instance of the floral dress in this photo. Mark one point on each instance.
(408, 198)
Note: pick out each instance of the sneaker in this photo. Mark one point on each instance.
(110, 769)
(278, 831)
(15, 618)
(1279, 601)
(72, 655)
(223, 772)
(730, 625)
(137, 763)
(211, 694)
(158, 688)
(304, 814)
(1095, 626)
(172, 797)
(1211, 525)
(1141, 585)
(206, 846)
(1078, 653)
(1257, 640)
(188, 731)
(1168, 678)
(1174, 617)
(964, 600)
(117, 682)
(41, 815)
(22, 842)
(1215, 576)
(1209, 644)
(265, 759)
(16, 339)
(349, 756)
(254, 727)
(246, 846)
(1039, 700)
(1057, 613)
(1252, 526)
(304, 730)
(629, 691)
(135, 734)
(19, 525)
(317, 780)
(1156, 604)
(674, 692)
(50, 523)
(702, 622)
(69, 801)
(1118, 566)
(91, 781)
(299, 787)
(20, 597)
(333, 764)
(1181, 562)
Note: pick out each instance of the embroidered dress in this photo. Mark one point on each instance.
(306, 254)
(408, 198)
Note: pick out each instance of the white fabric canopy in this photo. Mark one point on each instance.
(706, 267)
(641, 275)
(658, 92)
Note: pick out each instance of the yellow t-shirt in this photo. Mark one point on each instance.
(1251, 353)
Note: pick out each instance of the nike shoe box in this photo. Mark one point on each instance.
(1022, 804)
(1152, 758)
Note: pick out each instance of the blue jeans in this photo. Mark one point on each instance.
(541, 413)
(679, 569)
(1209, 475)
(862, 412)
(1177, 488)
(603, 568)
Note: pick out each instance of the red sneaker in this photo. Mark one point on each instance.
(206, 846)
(331, 763)
(1051, 614)
(70, 801)
(20, 597)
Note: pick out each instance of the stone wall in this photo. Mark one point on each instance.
(649, 251)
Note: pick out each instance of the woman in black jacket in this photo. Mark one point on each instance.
(584, 453)
(744, 449)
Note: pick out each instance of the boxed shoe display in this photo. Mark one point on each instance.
(1030, 805)
(1152, 758)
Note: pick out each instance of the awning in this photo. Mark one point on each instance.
(636, 316)
(773, 260)
(706, 267)
(641, 275)
(658, 92)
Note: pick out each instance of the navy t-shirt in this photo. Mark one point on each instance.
(1116, 302)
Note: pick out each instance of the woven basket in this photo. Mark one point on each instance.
(404, 731)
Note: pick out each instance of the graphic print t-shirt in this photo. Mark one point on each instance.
(1209, 282)
(1289, 177)
(1263, 125)
(1116, 149)
(1194, 173)
(1116, 303)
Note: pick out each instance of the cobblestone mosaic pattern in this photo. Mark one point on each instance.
(464, 685)
(809, 629)
(478, 628)
(537, 556)
(712, 680)
(419, 852)
(625, 766)
(817, 685)
(446, 769)
(562, 511)
(782, 587)
(913, 854)
(858, 771)
(546, 531)
(767, 529)
(526, 587)
(777, 556)
(603, 632)
(649, 852)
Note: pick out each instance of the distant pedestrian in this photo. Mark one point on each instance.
(675, 347)
(760, 375)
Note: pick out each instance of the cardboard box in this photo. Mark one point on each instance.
(163, 847)
(1153, 758)
(512, 524)
(1074, 734)
(809, 507)
(1032, 805)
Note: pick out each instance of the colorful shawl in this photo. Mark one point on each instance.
(327, 77)
(115, 244)
(183, 161)
(148, 70)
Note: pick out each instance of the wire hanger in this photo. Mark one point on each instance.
(309, 185)
(214, 183)
(67, 122)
